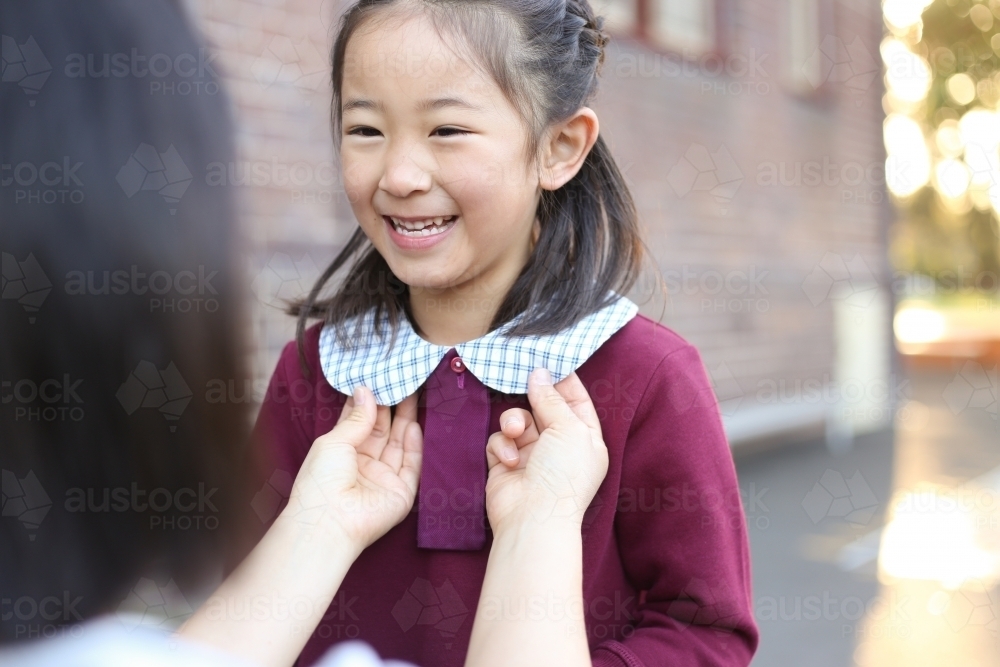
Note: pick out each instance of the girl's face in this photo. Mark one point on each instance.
(434, 144)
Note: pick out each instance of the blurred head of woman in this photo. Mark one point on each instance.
(124, 474)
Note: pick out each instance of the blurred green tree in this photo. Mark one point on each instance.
(949, 225)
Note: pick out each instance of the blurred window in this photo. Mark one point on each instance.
(687, 26)
(803, 59)
(620, 16)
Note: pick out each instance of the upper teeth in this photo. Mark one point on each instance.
(416, 226)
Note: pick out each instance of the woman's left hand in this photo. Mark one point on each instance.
(548, 462)
(361, 478)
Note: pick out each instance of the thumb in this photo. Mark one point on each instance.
(356, 425)
(547, 404)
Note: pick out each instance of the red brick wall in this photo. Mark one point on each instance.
(673, 130)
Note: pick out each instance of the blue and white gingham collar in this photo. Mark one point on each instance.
(500, 363)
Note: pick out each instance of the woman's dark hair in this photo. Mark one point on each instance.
(545, 55)
(121, 304)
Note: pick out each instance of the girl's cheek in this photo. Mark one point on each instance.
(356, 178)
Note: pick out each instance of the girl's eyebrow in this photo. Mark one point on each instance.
(422, 106)
(363, 104)
(442, 102)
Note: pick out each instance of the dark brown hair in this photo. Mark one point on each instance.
(100, 345)
(545, 56)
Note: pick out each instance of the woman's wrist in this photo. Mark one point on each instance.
(299, 563)
(531, 608)
(318, 532)
(527, 530)
(538, 520)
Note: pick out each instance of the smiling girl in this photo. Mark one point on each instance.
(496, 235)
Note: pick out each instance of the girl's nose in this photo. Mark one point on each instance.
(404, 173)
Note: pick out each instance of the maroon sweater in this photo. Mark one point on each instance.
(666, 565)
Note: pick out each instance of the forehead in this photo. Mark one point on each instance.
(403, 55)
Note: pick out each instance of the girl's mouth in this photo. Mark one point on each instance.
(413, 234)
(428, 227)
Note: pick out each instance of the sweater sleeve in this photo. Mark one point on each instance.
(281, 431)
(681, 530)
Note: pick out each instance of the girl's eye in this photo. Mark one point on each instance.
(363, 129)
(453, 130)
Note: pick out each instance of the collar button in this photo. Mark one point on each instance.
(457, 365)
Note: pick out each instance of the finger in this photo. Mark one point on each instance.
(500, 448)
(375, 444)
(547, 405)
(413, 453)
(578, 400)
(519, 425)
(405, 415)
(357, 425)
(346, 410)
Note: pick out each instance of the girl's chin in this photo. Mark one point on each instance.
(415, 279)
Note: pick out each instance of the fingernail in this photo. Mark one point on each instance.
(542, 376)
(509, 453)
(359, 396)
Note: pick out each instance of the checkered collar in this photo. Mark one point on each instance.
(498, 362)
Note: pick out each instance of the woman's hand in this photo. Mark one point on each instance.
(545, 468)
(357, 481)
(361, 478)
(549, 462)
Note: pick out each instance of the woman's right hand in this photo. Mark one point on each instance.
(547, 463)
(360, 479)
(357, 481)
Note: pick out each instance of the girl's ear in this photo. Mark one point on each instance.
(567, 146)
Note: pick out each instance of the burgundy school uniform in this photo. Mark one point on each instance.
(666, 565)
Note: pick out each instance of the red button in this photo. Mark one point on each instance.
(457, 365)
